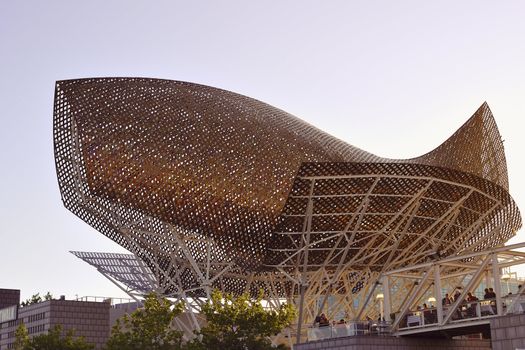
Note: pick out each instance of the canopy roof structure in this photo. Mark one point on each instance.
(125, 270)
(212, 189)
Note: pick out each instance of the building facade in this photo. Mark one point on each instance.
(9, 297)
(89, 319)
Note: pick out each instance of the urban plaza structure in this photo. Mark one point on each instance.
(211, 189)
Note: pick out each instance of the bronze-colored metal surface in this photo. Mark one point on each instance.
(202, 182)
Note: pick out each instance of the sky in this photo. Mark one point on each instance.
(395, 78)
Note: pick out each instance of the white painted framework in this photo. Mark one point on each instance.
(335, 287)
(463, 273)
(354, 267)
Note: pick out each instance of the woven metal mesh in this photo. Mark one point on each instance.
(147, 160)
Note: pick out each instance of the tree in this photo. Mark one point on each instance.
(21, 337)
(36, 298)
(240, 323)
(48, 296)
(148, 328)
(53, 340)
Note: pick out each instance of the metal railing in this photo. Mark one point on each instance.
(467, 311)
(421, 319)
(347, 330)
(114, 302)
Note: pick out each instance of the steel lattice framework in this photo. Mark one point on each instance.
(212, 189)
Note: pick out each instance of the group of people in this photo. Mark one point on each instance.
(489, 294)
(448, 300)
(322, 321)
(470, 309)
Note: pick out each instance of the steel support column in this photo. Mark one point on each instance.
(438, 293)
(497, 283)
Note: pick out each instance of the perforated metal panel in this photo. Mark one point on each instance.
(201, 182)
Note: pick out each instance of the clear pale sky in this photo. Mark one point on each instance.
(395, 78)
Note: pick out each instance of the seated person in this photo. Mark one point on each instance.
(428, 314)
(487, 294)
(457, 313)
(323, 321)
(317, 320)
(457, 295)
(522, 292)
(471, 297)
(471, 308)
(492, 293)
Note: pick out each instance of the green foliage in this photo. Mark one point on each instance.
(53, 340)
(148, 328)
(21, 337)
(240, 323)
(36, 298)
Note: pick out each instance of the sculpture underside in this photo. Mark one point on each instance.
(211, 189)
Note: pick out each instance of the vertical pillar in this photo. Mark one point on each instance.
(437, 292)
(207, 289)
(386, 294)
(497, 283)
(301, 311)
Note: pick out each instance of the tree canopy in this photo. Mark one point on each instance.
(233, 323)
(21, 337)
(36, 298)
(148, 327)
(55, 339)
(240, 323)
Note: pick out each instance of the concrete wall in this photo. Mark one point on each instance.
(392, 343)
(119, 310)
(89, 319)
(508, 332)
(35, 317)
